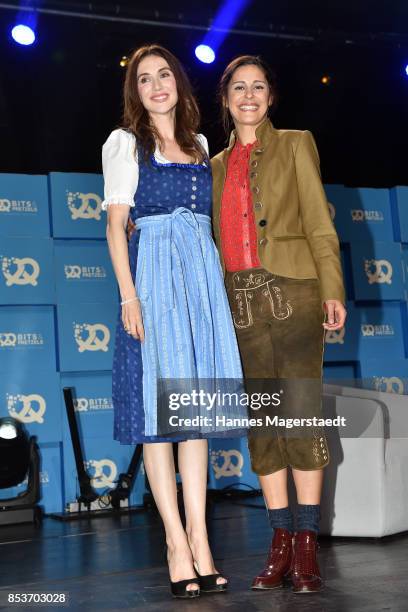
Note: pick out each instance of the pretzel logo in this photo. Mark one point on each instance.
(5, 205)
(81, 404)
(72, 271)
(378, 271)
(105, 472)
(26, 408)
(335, 336)
(391, 384)
(97, 339)
(367, 329)
(84, 205)
(7, 339)
(233, 462)
(26, 271)
(332, 210)
(357, 214)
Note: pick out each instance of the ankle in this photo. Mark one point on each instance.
(176, 543)
(196, 536)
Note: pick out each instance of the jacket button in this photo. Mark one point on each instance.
(258, 205)
(253, 174)
(254, 163)
(258, 151)
(262, 222)
(256, 190)
(263, 241)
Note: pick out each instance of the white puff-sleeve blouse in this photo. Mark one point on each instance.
(121, 169)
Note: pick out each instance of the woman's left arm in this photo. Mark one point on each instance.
(319, 230)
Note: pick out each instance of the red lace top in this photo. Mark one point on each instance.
(237, 220)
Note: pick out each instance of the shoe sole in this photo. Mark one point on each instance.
(307, 591)
(267, 588)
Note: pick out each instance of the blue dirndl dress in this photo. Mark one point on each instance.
(189, 333)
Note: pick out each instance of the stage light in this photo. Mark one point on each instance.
(325, 80)
(223, 22)
(23, 34)
(406, 69)
(14, 452)
(205, 54)
(124, 61)
(8, 430)
(19, 465)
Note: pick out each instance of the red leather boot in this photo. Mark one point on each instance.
(278, 562)
(304, 570)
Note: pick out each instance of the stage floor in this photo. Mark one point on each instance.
(118, 564)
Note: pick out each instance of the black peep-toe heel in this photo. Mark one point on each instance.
(179, 589)
(208, 583)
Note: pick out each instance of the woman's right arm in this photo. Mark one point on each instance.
(120, 171)
(118, 249)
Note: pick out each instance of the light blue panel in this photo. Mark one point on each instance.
(139, 487)
(50, 478)
(399, 201)
(86, 336)
(370, 332)
(346, 268)
(377, 271)
(76, 205)
(9, 492)
(84, 272)
(27, 338)
(404, 256)
(24, 209)
(381, 332)
(26, 271)
(360, 213)
(389, 375)
(229, 464)
(342, 345)
(34, 399)
(104, 460)
(341, 373)
(93, 403)
(404, 316)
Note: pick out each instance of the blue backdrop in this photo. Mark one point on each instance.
(59, 306)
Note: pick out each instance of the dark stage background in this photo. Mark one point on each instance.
(60, 98)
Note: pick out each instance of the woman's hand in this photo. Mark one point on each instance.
(335, 314)
(132, 320)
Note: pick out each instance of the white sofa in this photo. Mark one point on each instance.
(366, 483)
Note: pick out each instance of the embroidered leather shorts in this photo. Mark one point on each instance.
(278, 322)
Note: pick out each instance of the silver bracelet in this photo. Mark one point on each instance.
(133, 299)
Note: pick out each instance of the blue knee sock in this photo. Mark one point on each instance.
(308, 517)
(281, 518)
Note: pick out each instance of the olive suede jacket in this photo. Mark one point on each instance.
(295, 234)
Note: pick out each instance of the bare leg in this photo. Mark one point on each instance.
(159, 466)
(308, 485)
(193, 464)
(275, 489)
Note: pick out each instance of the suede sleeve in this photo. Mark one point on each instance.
(316, 220)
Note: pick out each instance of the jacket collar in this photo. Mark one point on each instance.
(263, 133)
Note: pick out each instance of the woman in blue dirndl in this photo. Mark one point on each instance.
(174, 323)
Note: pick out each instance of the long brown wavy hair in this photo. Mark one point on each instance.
(187, 117)
(244, 60)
